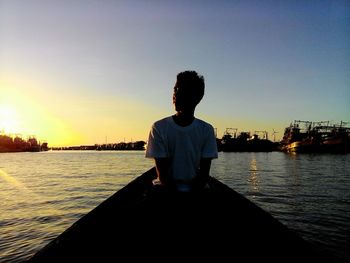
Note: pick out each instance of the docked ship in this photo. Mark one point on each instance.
(232, 141)
(322, 136)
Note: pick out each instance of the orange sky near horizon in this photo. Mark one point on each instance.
(27, 109)
(25, 115)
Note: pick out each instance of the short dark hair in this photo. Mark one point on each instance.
(191, 80)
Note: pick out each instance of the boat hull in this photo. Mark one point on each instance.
(143, 222)
(324, 147)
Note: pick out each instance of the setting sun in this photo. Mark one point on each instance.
(26, 114)
(8, 119)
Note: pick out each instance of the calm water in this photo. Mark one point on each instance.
(41, 194)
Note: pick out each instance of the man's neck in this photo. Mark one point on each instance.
(183, 119)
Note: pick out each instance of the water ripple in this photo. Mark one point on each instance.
(308, 193)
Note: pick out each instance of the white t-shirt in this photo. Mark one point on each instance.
(185, 146)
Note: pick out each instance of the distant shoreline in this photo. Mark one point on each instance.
(123, 146)
(17, 144)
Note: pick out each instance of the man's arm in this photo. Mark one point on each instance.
(204, 169)
(163, 167)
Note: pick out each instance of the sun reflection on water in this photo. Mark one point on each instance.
(253, 176)
(22, 195)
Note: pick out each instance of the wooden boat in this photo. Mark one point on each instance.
(142, 222)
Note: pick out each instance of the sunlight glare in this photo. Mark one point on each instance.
(25, 113)
(24, 192)
(8, 119)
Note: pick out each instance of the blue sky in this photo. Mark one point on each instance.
(106, 69)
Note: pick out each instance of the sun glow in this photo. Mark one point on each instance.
(8, 119)
(23, 112)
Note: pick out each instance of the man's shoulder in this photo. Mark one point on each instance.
(204, 123)
(162, 121)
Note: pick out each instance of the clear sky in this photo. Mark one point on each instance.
(85, 72)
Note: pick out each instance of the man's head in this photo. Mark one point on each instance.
(188, 90)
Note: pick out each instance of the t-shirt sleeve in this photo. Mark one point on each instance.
(156, 147)
(210, 148)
